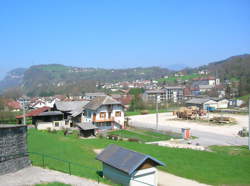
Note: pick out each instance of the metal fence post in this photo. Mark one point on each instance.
(69, 169)
(43, 160)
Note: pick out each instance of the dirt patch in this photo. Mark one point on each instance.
(98, 151)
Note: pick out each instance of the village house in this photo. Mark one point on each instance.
(129, 168)
(174, 93)
(44, 119)
(222, 103)
(11, 105)
(105, 113)
(151, 95)
(90, 96)
(203, 103)
(72, 111)
(170, 93)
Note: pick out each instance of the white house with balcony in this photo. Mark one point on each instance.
(105, 113)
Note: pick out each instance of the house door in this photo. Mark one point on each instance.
(94, 116)
(109, 115)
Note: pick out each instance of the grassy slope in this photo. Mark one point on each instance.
(207, 167)
(142, 135)
(244, 98)
(173, 78)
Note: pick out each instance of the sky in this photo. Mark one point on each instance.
(121, 33)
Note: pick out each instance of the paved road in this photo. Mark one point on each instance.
(204, 138)
(34, 175)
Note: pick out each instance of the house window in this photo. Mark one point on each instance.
(56, 124)
(118, 114)
(102, 114)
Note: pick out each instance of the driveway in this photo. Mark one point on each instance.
(208, 134)
(35, 175)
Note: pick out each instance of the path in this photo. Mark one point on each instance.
(207, 134)
(166, 179)
(35, 175)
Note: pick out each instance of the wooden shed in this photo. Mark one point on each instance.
(128, 167)
(87, 129)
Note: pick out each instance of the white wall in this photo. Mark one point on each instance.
(51, 125)
(223, 104)
(116, 108)
(210, 103)
(144, 177)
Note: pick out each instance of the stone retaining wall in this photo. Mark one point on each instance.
(13, 148)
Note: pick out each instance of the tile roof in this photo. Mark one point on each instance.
(34, 112)
(123, 159)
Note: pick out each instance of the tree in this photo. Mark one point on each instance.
(136, 103)
(13, 93)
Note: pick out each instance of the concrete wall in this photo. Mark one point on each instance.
(13, 148)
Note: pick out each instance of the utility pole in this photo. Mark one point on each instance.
(249, 124)
(157, 101)
(24, 117)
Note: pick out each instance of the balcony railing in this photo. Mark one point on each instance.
(104, 119)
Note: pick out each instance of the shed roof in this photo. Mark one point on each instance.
(67, 106)
(123, 159)
(50, 113)
(198, 101)
(86, 126)
(101, 100)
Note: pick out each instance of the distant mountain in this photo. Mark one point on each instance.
(59, 79)
(177, 67)
(13, 78)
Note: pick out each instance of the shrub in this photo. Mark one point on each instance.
(133, 140)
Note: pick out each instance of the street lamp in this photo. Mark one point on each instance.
(158, 100)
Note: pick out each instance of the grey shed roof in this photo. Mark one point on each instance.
(101, 100)
(70, 105)
(123, 159)
(73, 107)
(86, 126)
(51, 113)
(198, 100)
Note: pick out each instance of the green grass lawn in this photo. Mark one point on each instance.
(216, 168)
(144, 135)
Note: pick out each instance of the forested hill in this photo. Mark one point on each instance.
(60, 79)
(236, 68)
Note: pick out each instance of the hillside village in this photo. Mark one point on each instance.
(125, 93)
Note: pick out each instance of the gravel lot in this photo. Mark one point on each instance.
(208, 134)
(34, 175)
